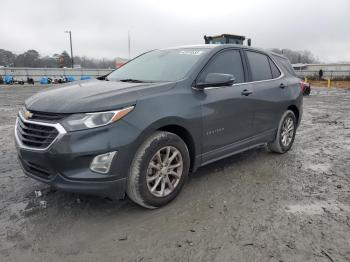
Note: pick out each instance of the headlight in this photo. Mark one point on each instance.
(91, 120)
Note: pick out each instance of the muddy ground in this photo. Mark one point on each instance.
(256, 206)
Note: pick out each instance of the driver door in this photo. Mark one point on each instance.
(227, 111)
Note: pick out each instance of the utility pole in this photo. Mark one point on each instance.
(129, 43)
(71, 47)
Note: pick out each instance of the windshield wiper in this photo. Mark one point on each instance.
(133, 80)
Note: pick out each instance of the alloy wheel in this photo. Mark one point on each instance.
(164, 171)
(287, 131)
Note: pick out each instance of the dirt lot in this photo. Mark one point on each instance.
(255, 206)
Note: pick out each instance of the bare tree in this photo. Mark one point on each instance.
(305, 56)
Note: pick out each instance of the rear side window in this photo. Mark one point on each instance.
(285, 64)
(275, 71)
(226, 62)
(259, 66)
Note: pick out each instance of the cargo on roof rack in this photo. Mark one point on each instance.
(226, 39)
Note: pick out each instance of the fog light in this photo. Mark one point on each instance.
(102, 163)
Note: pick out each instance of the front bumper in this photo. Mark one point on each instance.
(114, 189)
(65, 163)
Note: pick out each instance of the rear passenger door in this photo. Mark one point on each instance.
(268, 92)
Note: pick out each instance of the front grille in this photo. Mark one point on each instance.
(35, 135)
(44, 116)
(36, 170)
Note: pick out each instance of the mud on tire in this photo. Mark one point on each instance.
(146, 165)
(277, 145)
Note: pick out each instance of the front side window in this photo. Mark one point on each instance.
(159, 65)
(259, 66)
(226, 62)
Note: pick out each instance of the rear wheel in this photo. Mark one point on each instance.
(285, 134)
(159, 170)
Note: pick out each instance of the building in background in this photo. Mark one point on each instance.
(324, 67)
(339, 71)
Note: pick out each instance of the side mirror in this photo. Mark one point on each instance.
(217, 80)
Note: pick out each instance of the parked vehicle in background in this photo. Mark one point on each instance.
(157, 118)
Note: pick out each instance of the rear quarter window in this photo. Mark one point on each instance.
(275, 71)
(285, 64)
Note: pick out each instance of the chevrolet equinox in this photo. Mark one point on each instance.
(145, 126)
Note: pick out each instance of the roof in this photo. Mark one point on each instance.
(223, 46)
(192, 46)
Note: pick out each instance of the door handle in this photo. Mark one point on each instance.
(282, 85)
(246, 92)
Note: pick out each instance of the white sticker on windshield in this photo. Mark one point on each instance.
(190, 52)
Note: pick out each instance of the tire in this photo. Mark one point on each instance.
(149, 167)
(280, 145)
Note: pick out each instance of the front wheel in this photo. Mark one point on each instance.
(158, 170)
(285, 133)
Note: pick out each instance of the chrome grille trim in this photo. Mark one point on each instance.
(60, 129)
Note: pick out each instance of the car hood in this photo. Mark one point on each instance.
(92, 96)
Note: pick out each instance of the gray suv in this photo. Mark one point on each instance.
(144, 127)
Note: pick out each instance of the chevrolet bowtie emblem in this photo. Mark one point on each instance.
(27, 114)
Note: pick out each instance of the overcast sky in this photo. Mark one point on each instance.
(100, 28)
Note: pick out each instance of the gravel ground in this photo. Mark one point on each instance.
(255, 206)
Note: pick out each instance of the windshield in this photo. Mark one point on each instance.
(159, 65)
